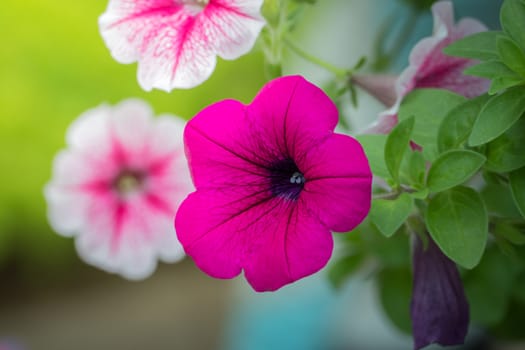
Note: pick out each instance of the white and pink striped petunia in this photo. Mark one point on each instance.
(429, 67)
(118, 185)
(176, 42)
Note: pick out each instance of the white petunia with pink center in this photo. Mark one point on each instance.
(118, 185)
(176, 42)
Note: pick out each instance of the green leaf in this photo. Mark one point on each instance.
(490, 69)
(457, 221)
(480, 46)
(272, 71)
(455, 128)
(389, 214)
(413, 169)
(488, 288)
(507, 249)
(512, 19)
(271, 11)
(420, 5)
(510, 233)
(511, 327)
(503, 83)
(452, 168)
(374, 146)
(496, 198)
(395, 291)
(391, 252)
(498, 115)
(422, 194)
(512, 55)
(507, 152)
(342, 269)
(519, 288)
(517, 186)
(429, 106)
(396, 146)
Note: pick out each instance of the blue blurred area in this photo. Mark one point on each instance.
(295, 317)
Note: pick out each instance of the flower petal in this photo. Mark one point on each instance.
(175, 43)
(207, 225)
(179, 56)
(240, 157)
(123, 236)
(127, 26)
(118, 228)
(131, 121)
(295, 245)
(383, 125)
(66, 209)
(432, 68)
(439, 308)
(292, 115)
(166, 135)
(338, 182)
(429, 67)
(233, 26)
(275, 241)
(89, 132)
(245, 141)
(236, 220)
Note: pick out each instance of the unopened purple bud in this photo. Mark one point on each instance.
(439, 308)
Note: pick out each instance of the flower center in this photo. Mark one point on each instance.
(129, 181)
(286, 180)
(195, 6)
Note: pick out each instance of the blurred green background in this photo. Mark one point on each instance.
(54, 66)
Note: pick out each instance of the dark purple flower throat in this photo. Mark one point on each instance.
(286, 180)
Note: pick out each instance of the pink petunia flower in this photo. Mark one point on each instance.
(272, 180)
(176, 41)
(117, 186)
(429, 67)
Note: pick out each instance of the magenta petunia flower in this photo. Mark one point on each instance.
(272, 180)
(117, 186)
(439, 307)
(176, 41)
(429, 67)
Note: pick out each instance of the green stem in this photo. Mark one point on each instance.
(388, 195)
(339, 72)
(344, 124)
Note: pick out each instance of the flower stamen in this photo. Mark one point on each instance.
(286, 181)
(297, 178)
(195, 6)
(128, 181)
